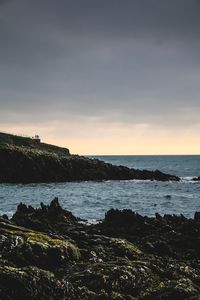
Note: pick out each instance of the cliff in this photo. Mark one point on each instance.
(25, 160)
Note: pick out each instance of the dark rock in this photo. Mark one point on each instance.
(5, 217)
(126, 256)
(47, 218)
(197, 216)
(158, 216)
(31, 283)
(22, 161)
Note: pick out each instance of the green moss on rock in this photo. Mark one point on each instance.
(28, 247)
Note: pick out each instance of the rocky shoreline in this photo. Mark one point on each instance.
(25, 160)
(47, 253)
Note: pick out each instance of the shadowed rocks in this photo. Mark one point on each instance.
(48, 218)
(22, 160)
(46, 253)
(20, 166)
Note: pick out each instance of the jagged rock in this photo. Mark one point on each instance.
(125, 257)
(47, 218)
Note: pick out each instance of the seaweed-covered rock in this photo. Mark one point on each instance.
(124, 257)
(31, 283)
(172, 235)
(25, 247)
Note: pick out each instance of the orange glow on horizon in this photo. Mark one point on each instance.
(138, 140)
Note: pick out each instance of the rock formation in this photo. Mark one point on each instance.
(22, 160)
(46, 253)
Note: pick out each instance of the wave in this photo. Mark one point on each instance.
(189, 179)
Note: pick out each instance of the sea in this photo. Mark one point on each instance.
(91, 200)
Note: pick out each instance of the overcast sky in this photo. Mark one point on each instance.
(102, 76)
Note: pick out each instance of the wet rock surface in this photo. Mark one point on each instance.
(22, 160)
(46, 253)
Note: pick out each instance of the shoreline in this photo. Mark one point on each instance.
(125, 257)
(26, 160)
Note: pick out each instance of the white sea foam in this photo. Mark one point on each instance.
(189, 179)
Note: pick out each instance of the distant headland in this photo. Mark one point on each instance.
(28, 160)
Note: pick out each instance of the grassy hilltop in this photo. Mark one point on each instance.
(30, 144)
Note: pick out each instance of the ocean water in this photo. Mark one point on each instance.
(90, 200)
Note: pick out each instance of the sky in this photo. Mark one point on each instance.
(102, 76)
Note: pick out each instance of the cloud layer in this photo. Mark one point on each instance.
(68, 66)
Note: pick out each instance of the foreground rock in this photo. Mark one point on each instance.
(25, 160)
(47, 253)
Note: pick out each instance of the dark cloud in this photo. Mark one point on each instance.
(128, 61)
(3, 2)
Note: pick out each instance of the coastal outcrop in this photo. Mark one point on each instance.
(26, 160)
(47, 253)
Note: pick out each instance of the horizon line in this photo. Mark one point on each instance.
(139, 154)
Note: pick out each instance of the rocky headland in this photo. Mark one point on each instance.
(28, 160)
(47, 253)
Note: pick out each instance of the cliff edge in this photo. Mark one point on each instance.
(27, 160)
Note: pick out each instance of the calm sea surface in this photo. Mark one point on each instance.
(90, 200)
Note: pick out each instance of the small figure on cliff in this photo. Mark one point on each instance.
(37, 138)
